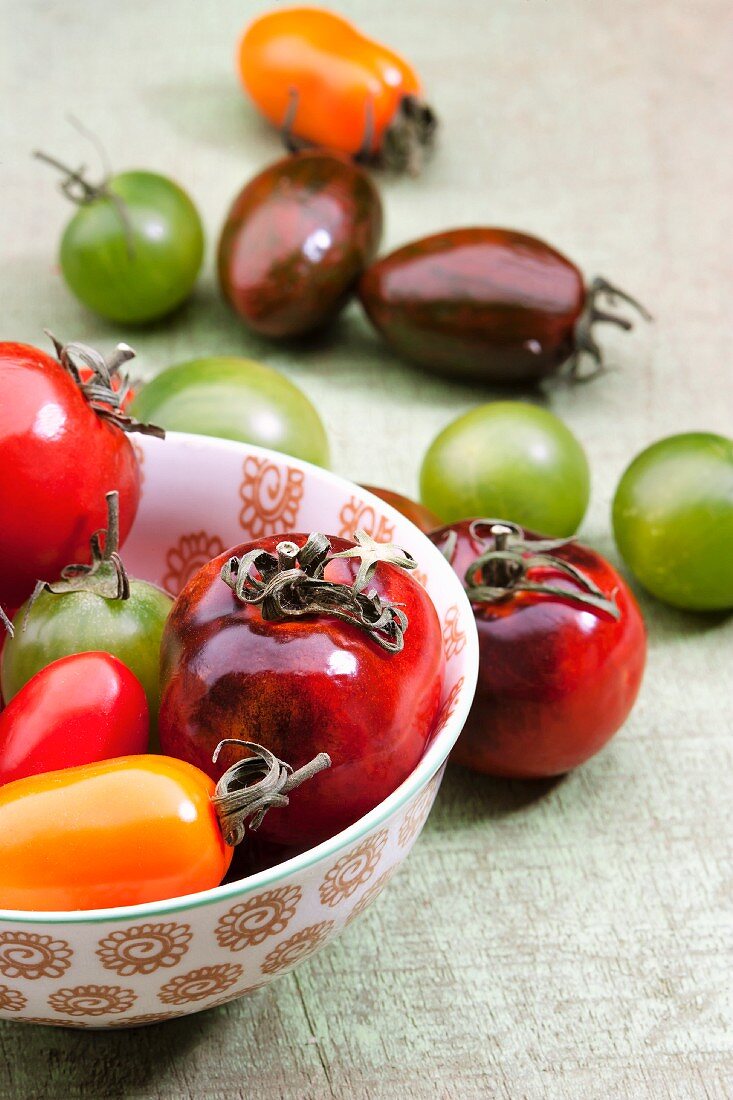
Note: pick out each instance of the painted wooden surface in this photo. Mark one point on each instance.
(566, 940)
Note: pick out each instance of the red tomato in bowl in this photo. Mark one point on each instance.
(559, 670)
(77, 710)
(303, 685)
(60, 452)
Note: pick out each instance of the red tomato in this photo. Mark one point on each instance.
(418, 514)
(78, 710)
(558, 675)
(58, 457)
(303, 684)
(119, 832)
(313, 72)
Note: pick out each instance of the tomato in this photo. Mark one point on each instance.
(237, 399)
(314, 75)
(78, 710)
(510, 459)
(133, 250)
(305, 683)
(488, 304)
(295, 241)
(562, 647)
(673, 520)
(100, 609)
(118, 832)
(418, 514)
(62, 448)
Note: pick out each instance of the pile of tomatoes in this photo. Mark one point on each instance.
(142, 738)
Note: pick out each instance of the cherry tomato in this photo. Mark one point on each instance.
(295, 241)
(118, 832)
(133, 250)
(560, 665)
(312, 73)
(418, 514)
(510, 459)
(99, 609)
(61, 450)
(78, 710)
(488, 304)
(673, 520)
(232, 666)
(236, 399)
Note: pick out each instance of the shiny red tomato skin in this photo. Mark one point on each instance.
(58, 458)
(295, 241)
(480, 303)
(301, 687)
(556, 679)
(77, 710)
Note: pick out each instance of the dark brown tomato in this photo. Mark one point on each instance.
(490, 304)
(296, 240)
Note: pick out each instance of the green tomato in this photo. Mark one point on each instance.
(79, 622)
(673, 520)
(508, 460)
(135, 257)
(236, 399)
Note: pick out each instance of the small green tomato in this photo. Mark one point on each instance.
(512, 461)
(673, 520)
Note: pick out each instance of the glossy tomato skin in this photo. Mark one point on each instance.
(338, 74)
(141, 267)
(295, 240)
(417, 513)
(488, 304)
(58, 458)
(300, 687)
(58, 625)
(237, 399)
(118, 832)
(556, 679)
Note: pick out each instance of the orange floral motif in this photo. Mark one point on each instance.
(92, 1000)
(12, 1000)
(352, 870)
(144, 948)
(46, 1022)
(454, 638)
(420, 577)
(417, 812)
(146, 1018)
(27, 955)
(201, 983)
(370, 894)
(186, 558)
(234, 995)
(448, 706)
(356, 515)
(270, 496)
(254, 920)
(297, 947)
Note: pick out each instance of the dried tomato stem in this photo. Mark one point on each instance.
(585, 342)
(238, 801)
(6, 623)
(290, 584)
(503, 569)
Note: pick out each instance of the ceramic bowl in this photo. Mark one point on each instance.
(129, 966)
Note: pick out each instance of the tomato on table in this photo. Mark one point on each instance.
(77, 710)
(562, 648)
(673, 520)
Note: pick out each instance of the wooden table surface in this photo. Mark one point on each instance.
(568, 939)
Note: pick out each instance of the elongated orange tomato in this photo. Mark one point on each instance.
(119, 832)
(313, 74)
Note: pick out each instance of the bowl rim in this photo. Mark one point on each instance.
(419, 777)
